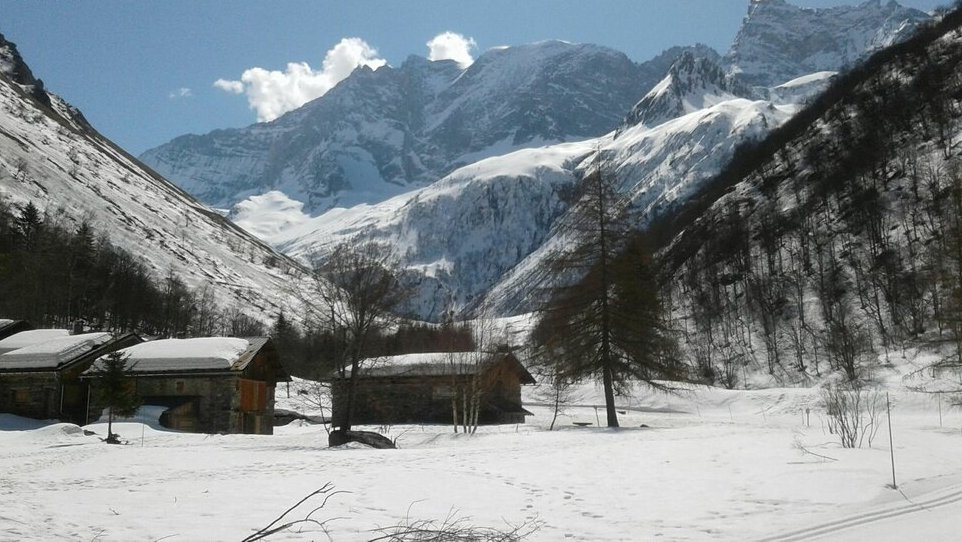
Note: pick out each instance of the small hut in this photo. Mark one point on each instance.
(428, 388)
(40, 371)
(207, 384)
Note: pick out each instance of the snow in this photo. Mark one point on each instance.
(806, 80)
(52, 352)
(27, 338)
(422, 363)
(269, 214)
(217, 353)
(710, 465)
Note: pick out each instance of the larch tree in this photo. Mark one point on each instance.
(608, 321)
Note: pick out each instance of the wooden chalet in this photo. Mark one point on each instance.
(40, 371)
(420, 388)
(208, 384)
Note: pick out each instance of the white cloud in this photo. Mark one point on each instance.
(451, 46)
(234, 87)
(182, 92)
(272, 93)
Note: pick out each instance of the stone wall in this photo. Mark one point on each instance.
(31, 395)
(217, 400)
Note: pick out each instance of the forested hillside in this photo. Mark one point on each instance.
(837, 241)
(54, 274)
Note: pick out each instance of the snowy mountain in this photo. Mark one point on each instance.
(779, 42)
(692, 83)
(51, 157)
(381, 133)
(479, 235)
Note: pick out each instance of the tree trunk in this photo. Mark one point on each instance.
(608, 381)
(557, 404)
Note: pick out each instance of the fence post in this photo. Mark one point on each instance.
(888, 412)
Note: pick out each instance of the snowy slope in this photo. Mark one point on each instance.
(709, 465)
(49, 156)
(658, 169)
(779, 41)
(460, 235)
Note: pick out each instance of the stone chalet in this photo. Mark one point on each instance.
(420, 388)
(40, 369)
(208, 384)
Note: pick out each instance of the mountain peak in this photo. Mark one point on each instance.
(692, 83)
(13, 66)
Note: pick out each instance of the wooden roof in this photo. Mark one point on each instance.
(442, 364)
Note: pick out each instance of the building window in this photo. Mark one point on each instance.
(21, 396)
(442, 391)
(179, 386)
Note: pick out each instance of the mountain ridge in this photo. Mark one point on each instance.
(361, 143)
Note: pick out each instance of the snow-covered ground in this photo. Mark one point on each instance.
(707, 465)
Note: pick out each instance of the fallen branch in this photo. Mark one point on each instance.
(801, 447)
(273, 528)
(452, 529)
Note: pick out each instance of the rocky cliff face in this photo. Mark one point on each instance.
(779, 42)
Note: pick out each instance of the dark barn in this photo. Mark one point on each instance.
(420, 388)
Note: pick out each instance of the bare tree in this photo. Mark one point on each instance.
(559, 392)
(853, 413)
(469, 378)
(360, 287)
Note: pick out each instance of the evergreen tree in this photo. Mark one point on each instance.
(116, 391)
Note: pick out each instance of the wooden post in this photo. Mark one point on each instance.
(940, 409)
(888, 412)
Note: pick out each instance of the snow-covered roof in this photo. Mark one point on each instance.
(27, 338)
(53, 352)
(185, 355)
(436, 364)
(9, 327)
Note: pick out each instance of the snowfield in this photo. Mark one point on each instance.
(707, 465)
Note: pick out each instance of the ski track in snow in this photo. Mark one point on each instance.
(933, 500)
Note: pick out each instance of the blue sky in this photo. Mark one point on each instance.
(144, 72)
